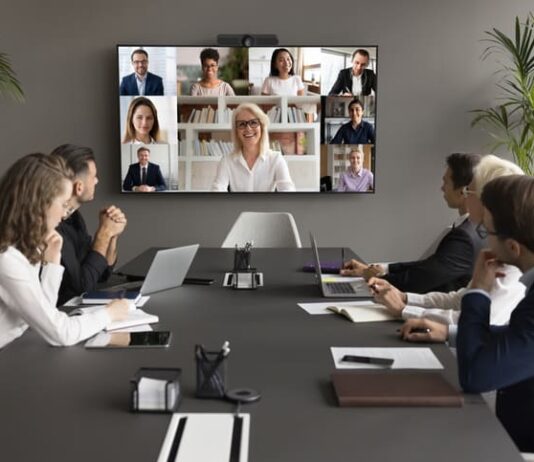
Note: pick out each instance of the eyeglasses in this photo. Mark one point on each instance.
(243, 124)
(144, 61)
(483, 232)
(466, 191)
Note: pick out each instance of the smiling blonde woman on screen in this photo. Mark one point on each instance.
(252, 166)
(35, 194)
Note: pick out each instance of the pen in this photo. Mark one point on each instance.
(342, 257)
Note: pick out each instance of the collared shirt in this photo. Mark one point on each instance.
(364, 133)
(141, 84)
(357, 84)
(27, 300)
(350, 181)
(269, 173)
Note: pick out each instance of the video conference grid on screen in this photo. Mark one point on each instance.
(309, 123)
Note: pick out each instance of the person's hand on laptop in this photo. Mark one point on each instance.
(388, 295)
(424, 330)
(353, 268)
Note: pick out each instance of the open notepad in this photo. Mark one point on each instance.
(135, 317)
(362, 312)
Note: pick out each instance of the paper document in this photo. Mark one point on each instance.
(135, 317)
(206, 437)
(365, 311)
(404, 358)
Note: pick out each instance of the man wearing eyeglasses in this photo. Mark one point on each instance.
(450, 266)
(502, 357)
(141, 82)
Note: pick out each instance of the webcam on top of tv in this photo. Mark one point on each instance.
(247, 40)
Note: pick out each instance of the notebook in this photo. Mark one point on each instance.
(394, 389)
(338, 288)
(167, 270)
(101, 297)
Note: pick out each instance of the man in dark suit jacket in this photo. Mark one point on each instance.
(144, 176)
(502, 357)
(87, 260)
(343, 84)
(451, 265)
(149, 84)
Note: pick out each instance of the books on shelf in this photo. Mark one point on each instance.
(207, 115)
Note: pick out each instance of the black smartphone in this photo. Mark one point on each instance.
(200, 281)
(387, 362)
(148, 339)
(419, 330)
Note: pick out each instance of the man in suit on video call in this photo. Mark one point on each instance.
(356, 80)
(450, 266)
(144, 176)
(500, 357)
(86, 260)
(141, 82)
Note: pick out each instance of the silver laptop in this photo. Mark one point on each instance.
(167, 270)
(338, 289)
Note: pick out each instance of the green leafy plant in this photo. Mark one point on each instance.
(9, 84)
(511, 123)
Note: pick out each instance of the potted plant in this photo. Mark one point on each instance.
(9, 84)
(511, 123)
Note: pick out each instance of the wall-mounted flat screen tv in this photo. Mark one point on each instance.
(247, 120)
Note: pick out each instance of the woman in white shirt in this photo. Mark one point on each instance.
(142, 126)
(438, 312)
(252, 166)
(35, 194)
(282, 79)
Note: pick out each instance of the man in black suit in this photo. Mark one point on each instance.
(451, 265)
(87, 260)
(144, 176)
(502, 357)
(141, 82)
(356, 80)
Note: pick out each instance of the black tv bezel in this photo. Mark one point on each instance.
(319, 193)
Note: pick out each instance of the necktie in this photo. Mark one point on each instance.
(143, 175)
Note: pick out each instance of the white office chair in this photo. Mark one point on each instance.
(265, 229)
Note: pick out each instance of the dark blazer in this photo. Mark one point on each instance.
(344, 82)
(500, 357)
(449, 268)
(84, 267)
(153, 177)
(153, 85)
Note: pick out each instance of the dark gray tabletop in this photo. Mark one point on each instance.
(66, 404)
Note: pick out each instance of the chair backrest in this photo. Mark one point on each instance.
(265, 229)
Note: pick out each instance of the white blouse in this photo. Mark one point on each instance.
(29, 301)
(269, 173)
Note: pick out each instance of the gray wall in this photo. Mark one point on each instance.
(430, 76)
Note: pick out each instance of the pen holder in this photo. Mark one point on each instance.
(241, 260)
(211, 375)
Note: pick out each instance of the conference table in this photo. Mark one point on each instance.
(72, 404)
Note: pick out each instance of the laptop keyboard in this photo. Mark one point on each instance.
(340, 287)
